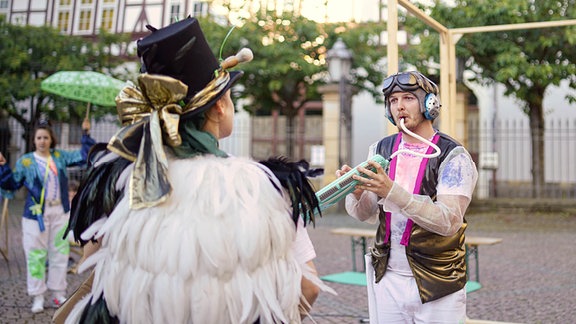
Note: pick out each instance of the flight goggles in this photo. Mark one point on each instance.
(409, 81)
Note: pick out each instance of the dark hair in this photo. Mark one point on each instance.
(50, 132)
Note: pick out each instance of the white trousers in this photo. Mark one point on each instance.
(395, 299)
(49, 245)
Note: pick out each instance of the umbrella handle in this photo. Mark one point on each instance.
(88, 111)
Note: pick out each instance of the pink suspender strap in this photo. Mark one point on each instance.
(417, 186)
(392, 174)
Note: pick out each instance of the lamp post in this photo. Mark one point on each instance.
(339, 59)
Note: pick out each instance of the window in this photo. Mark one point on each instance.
(64, 21)
(174, 13)
(3, 4)
(18, 19)
(107, 19)
(85, 19)
(200, 9)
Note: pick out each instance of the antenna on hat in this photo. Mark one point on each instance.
(224, 42)
(244, 55)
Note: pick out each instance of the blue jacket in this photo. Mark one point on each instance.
(26, 174)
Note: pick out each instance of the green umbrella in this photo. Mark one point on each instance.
(88, 86)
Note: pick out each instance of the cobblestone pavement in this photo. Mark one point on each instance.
(528, 278)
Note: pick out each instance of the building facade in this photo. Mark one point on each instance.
(88, 17)
(507, 163)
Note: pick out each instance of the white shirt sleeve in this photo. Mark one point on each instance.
(303, 247)
(365, 209)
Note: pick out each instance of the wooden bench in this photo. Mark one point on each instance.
(472, 244)
(359, 237)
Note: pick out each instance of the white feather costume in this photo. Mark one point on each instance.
(219, 250)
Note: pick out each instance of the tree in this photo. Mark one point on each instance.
(526, 62)
(289, 60)
(30, 54)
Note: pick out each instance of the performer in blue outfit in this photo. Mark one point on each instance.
(43, 172)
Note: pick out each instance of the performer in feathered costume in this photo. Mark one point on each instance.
(187, 233)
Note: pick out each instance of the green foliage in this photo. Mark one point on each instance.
(30, 54)
(525, 61)
(364, 40)
(287, 60)
(290, 58)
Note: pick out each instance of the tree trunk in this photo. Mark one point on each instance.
(537, 137)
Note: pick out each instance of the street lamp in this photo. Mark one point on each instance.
(339, 59)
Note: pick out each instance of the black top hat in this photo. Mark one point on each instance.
(181, 51)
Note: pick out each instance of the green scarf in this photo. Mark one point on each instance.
(196, 142)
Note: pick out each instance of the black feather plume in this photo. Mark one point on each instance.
(293, 177)
(97, 195)
(97, 313)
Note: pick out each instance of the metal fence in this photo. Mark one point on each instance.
(509, 141)
(272, 137)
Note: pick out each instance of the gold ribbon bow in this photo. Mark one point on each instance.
(148, 116)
